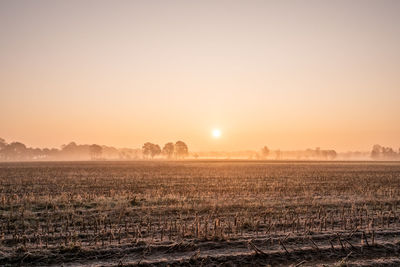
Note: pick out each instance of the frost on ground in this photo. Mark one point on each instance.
(200, 213)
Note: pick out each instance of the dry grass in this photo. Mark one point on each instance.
(198, 212)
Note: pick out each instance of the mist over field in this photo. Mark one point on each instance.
(285, 74)
(16, 151)
(199, 133)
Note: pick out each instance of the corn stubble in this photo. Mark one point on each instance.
(127, 213)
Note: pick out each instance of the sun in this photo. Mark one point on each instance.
(216, 133)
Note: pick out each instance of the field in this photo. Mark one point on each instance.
(200, 213)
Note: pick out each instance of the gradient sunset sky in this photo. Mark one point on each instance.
(287, 74)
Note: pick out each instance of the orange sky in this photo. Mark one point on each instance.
(287, 74)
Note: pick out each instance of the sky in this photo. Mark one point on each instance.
(286, 74)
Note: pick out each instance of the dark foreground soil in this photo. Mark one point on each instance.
(323, 249)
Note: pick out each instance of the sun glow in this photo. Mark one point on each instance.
(216, 133)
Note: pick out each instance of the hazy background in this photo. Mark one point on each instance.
(288, 74)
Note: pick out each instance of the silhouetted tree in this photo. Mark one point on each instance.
(150, 149)
(54, 152)
(146, 149)
(376, 152)
(46, 152)
(72, 151)
(70, 147)
(2, 143)
(15, 151)
(95, 151)
(168, 150)
(155, 150)
(331, 154)
(265, 152)
(181, 149)
(380, 152)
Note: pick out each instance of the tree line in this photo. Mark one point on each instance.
(179, 150)
(308, 154)
(17, 151)
(384, 153)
